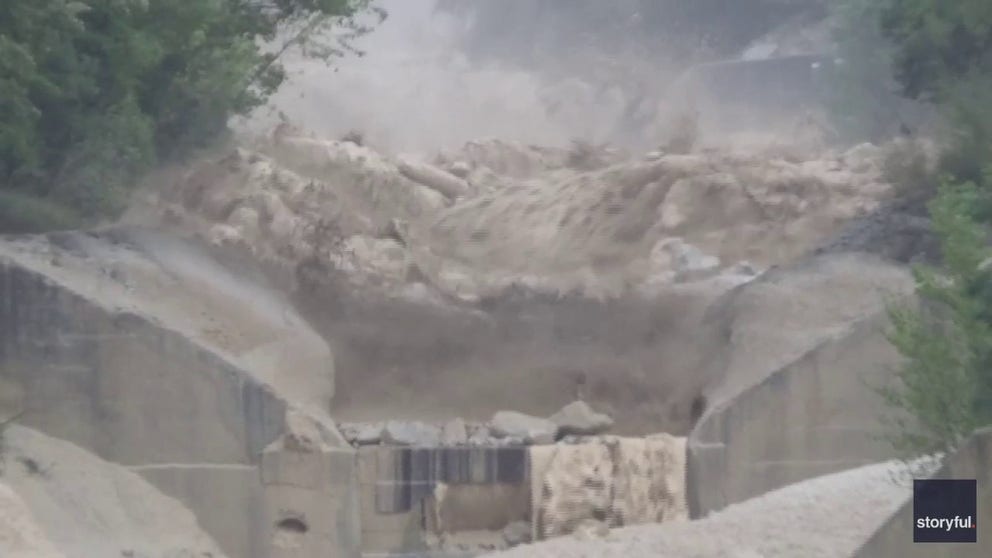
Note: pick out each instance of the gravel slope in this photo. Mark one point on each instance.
(87, 507)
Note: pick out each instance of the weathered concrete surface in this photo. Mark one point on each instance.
(145, 358)
(895, 538)
(792, 397)
(311, 500)
(815, 416)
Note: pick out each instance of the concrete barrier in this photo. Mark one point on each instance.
(120, 383)
(895, 538)
(815, 416)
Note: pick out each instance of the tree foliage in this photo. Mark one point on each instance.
(944, 387)
(941, 53)
(94, 92)
(939, 43)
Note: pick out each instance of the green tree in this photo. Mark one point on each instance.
(943, 390)
(95, 92)
(939, 53)
(939, 43)
(943, 54)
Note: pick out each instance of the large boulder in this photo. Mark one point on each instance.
(362, 434)
(532, 430)
(411, 433)
(578, 418)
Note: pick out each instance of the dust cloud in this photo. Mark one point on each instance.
(416, 89)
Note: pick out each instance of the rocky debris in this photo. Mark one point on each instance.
(461, 169)
(676, 260)
(573, 440)
(591, 529)
(587, 156)
(434, 178)
(518, 532)
(506, 158)
(531, 430)
(454, 433)
(476, 219)
(480, 436)
(578, 418)
(362, 434)
(302, 433)
(899, 231)
(411, 433)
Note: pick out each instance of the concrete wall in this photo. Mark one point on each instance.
(895, 538)
(194, 424)
(815, 416)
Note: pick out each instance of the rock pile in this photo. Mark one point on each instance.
(575, 423)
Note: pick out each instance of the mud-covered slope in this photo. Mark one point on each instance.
(503, 275)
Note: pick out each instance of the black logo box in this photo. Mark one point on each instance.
(945, 511)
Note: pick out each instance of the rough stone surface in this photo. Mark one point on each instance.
(531, 430)
(362, 434)
(411, 434)
(618, 481)
(578, 418)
